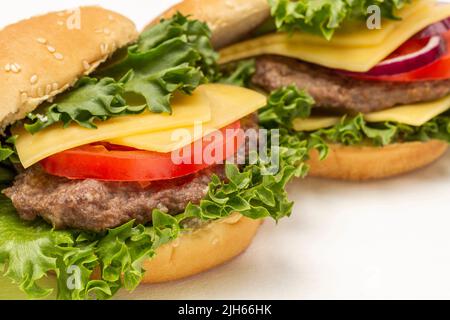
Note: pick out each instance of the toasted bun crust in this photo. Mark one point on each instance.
(43, 56)
(228, 19)
(366, 163)
(201, 250)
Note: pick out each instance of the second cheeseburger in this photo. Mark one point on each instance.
(378, 73)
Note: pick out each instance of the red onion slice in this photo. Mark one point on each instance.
(432, 51)
(435, 29)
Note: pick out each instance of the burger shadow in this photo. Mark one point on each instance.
(239, 278)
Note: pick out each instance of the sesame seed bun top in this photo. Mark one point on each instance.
(45, 55)
(229, 20)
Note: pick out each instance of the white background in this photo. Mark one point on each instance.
(384, 240)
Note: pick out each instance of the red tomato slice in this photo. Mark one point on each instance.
(438, 70)
(107, 162)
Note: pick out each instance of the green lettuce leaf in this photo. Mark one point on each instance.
(355, 130)
(28, 256)
(89, 100)
(175, 55)
(238, 74)
(5, 152)
(8, 157)
(284, 105)
(198, 37)
(7, 149)
(324, 17)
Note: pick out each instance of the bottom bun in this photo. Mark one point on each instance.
(365, 163)
(201, 250)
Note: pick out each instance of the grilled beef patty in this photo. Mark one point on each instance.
(98, 205)
(333, 90)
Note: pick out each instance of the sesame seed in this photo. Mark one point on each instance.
(55, 86)
(51, 49)
(23, 97)
(110, 17)
(8, 67)
(98, 30)
(106, 31)
(41, 40)
(60, 23)
(40, 92)
(60, 14)
(15, 68)
(86, 65)
(48, 89)
(34, 79)
(104, 48)
(58, 56)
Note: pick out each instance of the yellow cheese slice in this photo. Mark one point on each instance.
(355, 34)
(341, 55)
(187, 110)
(315, 123)
(414, 115)
(228, 104)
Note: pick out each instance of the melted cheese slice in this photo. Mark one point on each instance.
(413, 115)
(187, 110)
(354, 34)
(228, 104)
(349, 50)
(315, 123)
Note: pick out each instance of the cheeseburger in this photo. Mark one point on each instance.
(374, 76)
(96, 190)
